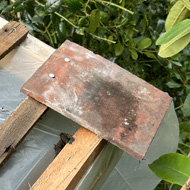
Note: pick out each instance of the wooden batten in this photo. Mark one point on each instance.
(17, 125)
(68, 167)
(11, 35)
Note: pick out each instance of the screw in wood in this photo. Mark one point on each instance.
(14, 29)
(67, 59)
(51, 75)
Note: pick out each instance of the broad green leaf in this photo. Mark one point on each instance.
(177, 13)
(52, 5)
(186, 107)
(177, 63)
(134, 54)
(94, 20)
(174, 46)
(178, 76)
(172, 167)
(186, 3)
(178, 31)
(118, 49)
(150, 55)
(172, 84)
(145, 43)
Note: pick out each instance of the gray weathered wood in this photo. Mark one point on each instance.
(11, 35)
(17, 125)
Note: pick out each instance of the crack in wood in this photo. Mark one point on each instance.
(8, 149)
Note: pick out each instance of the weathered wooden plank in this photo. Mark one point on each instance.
(11, 35)
(72, 162)
(17, 125)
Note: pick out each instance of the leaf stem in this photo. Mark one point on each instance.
(105, 39)
(115, 5)
(39, 3)
(66, 20)
(146, 61)
(179, 107)
(59, 15)
(46, 28)
(49, 35)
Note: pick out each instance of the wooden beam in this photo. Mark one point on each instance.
(17, 125)
(72, 162)
(11, 35)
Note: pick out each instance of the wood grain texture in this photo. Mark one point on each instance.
(17, 125)
(72, 162)
(11, 35)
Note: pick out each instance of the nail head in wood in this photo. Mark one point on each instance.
(51, 75)
(67, 59)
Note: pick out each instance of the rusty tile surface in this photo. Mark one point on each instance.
(101, 96)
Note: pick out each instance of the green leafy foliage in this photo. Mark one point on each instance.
(175, 39)
(175, 45)
(186, 107)
(74, 5)
(172, 167)
(184, 136)
(119, 49)
(177, 36)
(52, 5)
(178, 13)
(172, 84)
(3, 5)
(178, 30)
(134, 54)
(175, 33)
(94, 20)
(145, 43)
